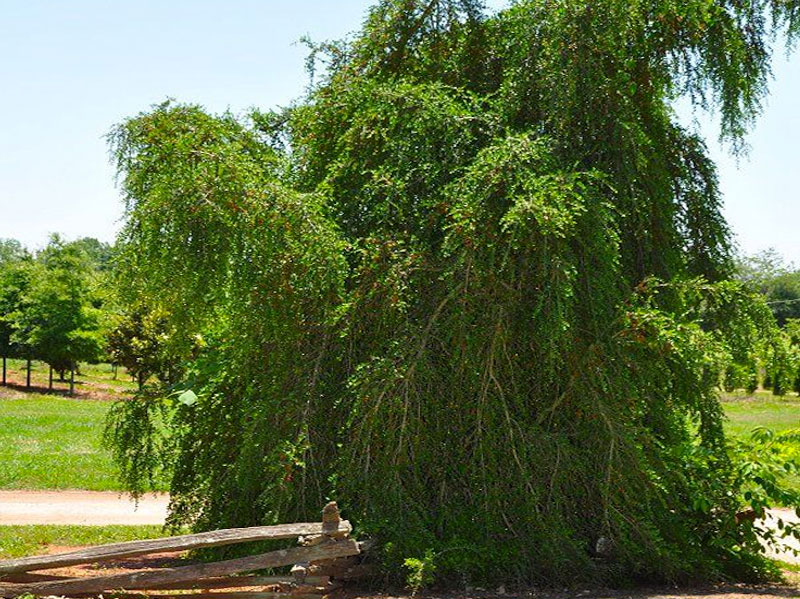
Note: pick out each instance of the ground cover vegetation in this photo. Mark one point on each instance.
(53, 442)
(23, 540)
(475, 286)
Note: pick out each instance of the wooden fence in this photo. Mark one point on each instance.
(326, 557)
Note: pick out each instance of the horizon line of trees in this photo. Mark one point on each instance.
(52, 304)
(777, 366)
(59, 305)
(55, 306)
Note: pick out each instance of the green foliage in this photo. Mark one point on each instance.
(764, 463)
(11, 251)
(50, 303)
(14, 282)
(778, 282)
(474, 286)
(421, 572)
(55, 320)
(99, 254)
(792, 331)
(140, 342)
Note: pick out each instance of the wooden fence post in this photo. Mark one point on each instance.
(324, 546)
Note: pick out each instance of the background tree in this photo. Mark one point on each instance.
(779, 282)
(99, 254)
(14, 281)
(140, 342)
(11, 251)
(792, 330)
(474, 286)
(56, 320)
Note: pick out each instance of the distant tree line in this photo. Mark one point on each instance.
(51, 304)
(60, 306)
(778, 364)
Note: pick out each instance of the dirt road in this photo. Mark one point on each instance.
(80, 507)
(101, 508)
(773, 516)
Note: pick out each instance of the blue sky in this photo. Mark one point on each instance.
(70, 70)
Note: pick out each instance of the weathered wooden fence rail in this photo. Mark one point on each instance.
(326, 556)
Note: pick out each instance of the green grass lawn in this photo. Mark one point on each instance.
(19, 541)
(52, 442)
(96, 381)
(746, 412)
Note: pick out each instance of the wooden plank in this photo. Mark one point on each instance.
(214, 538)
(25, 577)
(235, 582)
(234, 595)
(150, 578)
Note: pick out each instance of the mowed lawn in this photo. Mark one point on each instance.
(18, 541)
(762, 409)
(53, 442)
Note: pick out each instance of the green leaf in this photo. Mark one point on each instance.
(188, 398)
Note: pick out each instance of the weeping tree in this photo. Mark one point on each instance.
(474, 286)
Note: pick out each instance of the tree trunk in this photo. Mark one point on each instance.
(50, 382)
(28, 377)
(72, 380)
(4, 371)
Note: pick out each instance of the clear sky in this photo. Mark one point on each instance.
(71, 69)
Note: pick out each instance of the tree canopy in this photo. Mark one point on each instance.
(49, 308)
(475, 286)
(779, 282)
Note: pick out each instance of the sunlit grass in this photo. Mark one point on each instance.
(52, 442)
(761, 409)
(19, 541)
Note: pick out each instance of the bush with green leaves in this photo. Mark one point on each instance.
(140, 341)
(473, 286)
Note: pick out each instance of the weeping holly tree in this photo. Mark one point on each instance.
(474, 286)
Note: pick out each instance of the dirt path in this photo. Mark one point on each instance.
(793, 544)
(80, 507)
(101, 508)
